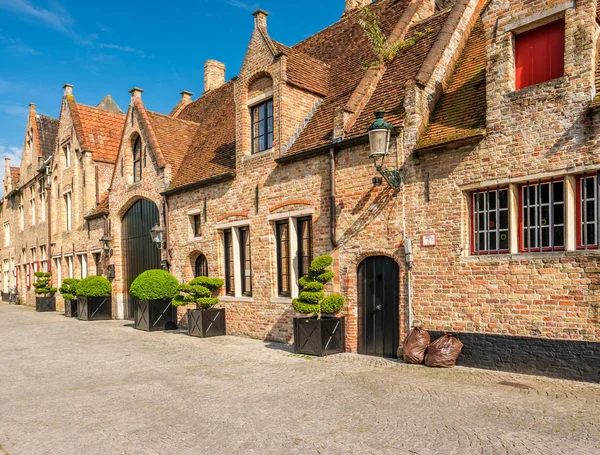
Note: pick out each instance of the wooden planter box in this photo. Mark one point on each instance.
(319, 337)
(71, 308)
(45, 304)
(155, 315)
(207, 323)
(94, 308)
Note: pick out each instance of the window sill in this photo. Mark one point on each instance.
(526, 91)
(529, 256)
(257, 155)
(282, 300)
(195, 239)
(229, 298)
(134, 184)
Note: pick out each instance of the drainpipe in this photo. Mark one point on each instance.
(332, 214)
(167, 233)
(409, 263)
(48, 184)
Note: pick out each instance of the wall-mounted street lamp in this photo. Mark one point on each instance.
(158, 233)
(105, 240)
(380, 132)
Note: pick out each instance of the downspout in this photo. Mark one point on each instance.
(332, 205)
(167, 233)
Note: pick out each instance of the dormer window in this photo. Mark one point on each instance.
(540, 54)
(262, 126)
(137, 160)
(67, 154)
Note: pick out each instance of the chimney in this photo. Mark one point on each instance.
(7, 175)
(260, 19)
(214, 75)
(186, 97)
(68, 88)
(31, 108)
(136, 93)
(354, 5)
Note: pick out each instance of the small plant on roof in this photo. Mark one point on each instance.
(154, 285)
(384, 50)
(201, 291)
(312, 299)
(42, 284)
(68, 288)
(94, 286)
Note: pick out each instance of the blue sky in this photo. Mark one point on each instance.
(110, 46)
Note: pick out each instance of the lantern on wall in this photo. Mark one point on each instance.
(380, 133)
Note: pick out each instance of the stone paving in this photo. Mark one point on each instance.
(73, 387)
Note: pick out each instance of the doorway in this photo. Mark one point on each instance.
(139, 251)
(378, 303)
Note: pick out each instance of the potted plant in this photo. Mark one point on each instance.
(45, 300)
(68, 290)
(153, 292)
(94, 302)
(204, 321)
(320, 332)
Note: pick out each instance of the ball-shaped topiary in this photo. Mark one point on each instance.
(94, 286)
(68, 288)
(201, 290)
(154, 285)
(42, 284)
(312, 299)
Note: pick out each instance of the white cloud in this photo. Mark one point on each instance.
(57, 17)
(14, 110)
(17, 45)
(126, 49)
(252, 7)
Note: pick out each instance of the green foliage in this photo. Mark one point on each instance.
(312, 299)
(42, 284)
(384, 50)
(154, 285)
(94, 286)
(68, 288)
(201, 290)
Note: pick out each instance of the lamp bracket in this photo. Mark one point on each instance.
(393, 177)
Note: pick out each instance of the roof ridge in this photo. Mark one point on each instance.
(171, 118)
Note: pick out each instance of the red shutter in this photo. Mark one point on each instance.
(28, 275)
(539, 54)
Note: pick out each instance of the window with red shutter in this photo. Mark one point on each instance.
(540, 54)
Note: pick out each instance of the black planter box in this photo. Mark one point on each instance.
(94, 308)
(71, 308)
(320, 337)
(207, 323)
(45, 304)
(155, 315)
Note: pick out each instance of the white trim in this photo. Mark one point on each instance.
(80, 252)
(70, 190)
(66, 255)
(195, 212)
(536, 20)
(570, 213)
(237, 266)
(57, 257)
(96, 251)
(282, 300)
(295, 214)
(233, 224)
(260, 98)
(229, 298)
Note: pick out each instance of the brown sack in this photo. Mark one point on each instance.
(443, 352)
(415, 344)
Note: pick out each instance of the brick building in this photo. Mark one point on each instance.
(494, 112)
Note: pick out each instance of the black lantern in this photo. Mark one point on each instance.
(157, 233)
(380, 132)
(105, 240)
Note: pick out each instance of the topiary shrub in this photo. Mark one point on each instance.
(202, 291)
(94, 286)
(312, 299)
(68, 288)
(154, 285)
(42, 284)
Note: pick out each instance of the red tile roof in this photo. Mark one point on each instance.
(101, 209)
(47, 130)
(461, 112)
(305, 72)
(211, 152)
(345, 48)
(15, 173)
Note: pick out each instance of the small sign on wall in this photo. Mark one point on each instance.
(428, 240)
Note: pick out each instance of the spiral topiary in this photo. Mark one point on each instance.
(42, 284)
(68, 288)
(154, 285)
(312, 299)
(201, 291)
(94, 286)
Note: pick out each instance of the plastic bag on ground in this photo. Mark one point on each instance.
(443, 352)
(415, 345)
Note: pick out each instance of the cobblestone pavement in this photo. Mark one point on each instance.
(73, 387)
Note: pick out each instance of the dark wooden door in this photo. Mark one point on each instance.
(378, 301)
(139, 252)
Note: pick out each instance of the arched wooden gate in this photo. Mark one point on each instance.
(139, 252)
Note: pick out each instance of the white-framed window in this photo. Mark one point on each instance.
(21, 212)
(58, 271)
(6, 233)
(237, 260)
(43, 258)
(67, 154)
(6, 275)
(32, 198)
(43, 207)
(70, 271)
(68, 212)
(82, 265)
